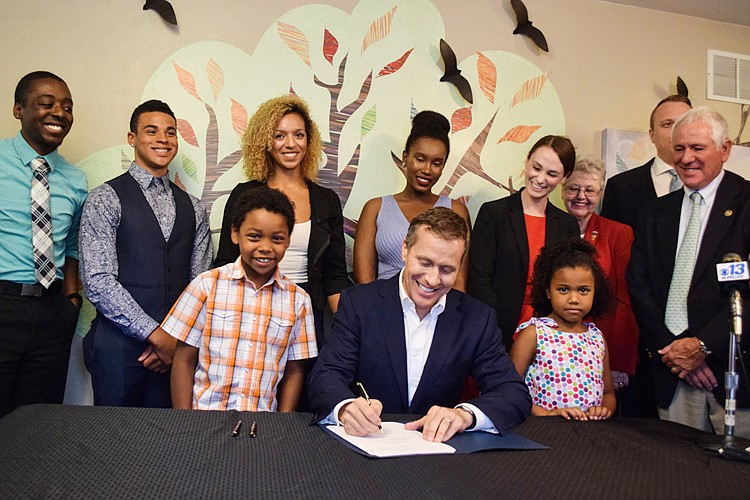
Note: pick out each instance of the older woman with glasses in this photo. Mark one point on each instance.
(582, 192)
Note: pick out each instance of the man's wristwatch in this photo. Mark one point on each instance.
(75, 295)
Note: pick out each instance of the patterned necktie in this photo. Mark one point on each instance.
(675, 317)
(41, 224)
(675, 183)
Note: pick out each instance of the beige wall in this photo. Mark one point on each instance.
(609, 63)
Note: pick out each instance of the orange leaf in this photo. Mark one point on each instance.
(330, 46)
(187, 132)
(487, 73)
(186, 80)
(519, 133)
(239, 117)
(379, 29)
(460, 119)
(394, 66)
(291, 90)
(215, 77)
(530, 89)
(295, 40)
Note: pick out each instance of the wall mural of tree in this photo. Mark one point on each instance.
(364, 74)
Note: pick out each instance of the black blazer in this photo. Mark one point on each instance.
(368, 344)
(499, 256)
(649, 276)
(326, 261)
(627, 193)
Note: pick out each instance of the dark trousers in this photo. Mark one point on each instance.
(117, 377)
(637, 400)
(35, 337)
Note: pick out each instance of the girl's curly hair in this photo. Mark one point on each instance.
(258, 138)
(572, 252)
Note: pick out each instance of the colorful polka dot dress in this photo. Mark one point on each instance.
(567, 369)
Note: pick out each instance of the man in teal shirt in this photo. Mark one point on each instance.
(37, 321)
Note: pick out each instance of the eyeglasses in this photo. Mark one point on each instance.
(588, 192)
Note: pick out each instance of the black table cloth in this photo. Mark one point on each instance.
(56, 451)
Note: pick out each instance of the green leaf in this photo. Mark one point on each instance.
(190, 168)
(368, 121)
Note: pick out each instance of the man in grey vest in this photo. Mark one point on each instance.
(142, 240)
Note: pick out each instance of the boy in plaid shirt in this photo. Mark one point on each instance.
(244, 330)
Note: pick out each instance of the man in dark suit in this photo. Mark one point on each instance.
(627, 192)
(412, 342)
(624, 195)
(675, 294)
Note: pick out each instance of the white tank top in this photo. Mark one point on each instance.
(294, 263)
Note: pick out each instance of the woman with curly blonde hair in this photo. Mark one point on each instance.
(282, 148)
(261, 133)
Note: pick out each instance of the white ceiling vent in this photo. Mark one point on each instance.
(728, 77)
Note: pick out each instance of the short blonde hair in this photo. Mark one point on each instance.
(258, 138)
(589, 165)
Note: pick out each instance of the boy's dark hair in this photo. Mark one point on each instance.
(24, 85)
(151, 106)
(265, 197)
(572, 252)
(429, 124)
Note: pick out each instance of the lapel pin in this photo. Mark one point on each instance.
(728, 213)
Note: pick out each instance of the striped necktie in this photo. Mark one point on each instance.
(41, 224)
(675, 183)
(675, 317)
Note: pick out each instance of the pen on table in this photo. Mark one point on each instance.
(253, 430)
(367, 398)
(237, 428)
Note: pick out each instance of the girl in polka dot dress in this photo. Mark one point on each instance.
(564, 360)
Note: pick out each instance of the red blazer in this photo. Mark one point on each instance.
(612, 241)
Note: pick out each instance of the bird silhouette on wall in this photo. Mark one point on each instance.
(164, 8)
(453, 74)
(681, 87)
(524, 26)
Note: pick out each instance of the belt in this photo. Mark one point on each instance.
(36, 290)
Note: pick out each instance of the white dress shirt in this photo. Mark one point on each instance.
(661, 176)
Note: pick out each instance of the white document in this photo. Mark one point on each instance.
(394, 441)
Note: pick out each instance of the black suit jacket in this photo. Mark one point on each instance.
(649, 276)
(499, 256)
(326, 261)
(626, 193)
(367, 344)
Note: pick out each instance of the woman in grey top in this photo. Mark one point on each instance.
(384, 221)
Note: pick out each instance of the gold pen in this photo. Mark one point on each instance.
(367, 398)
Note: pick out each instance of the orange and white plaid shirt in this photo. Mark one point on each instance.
(244, 336)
